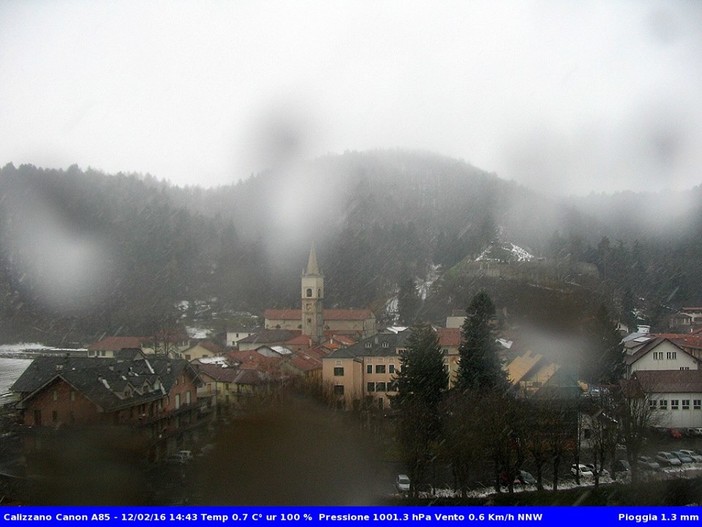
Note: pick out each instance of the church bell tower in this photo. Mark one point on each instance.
(312, 297)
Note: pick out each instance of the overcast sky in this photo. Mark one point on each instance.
(569, 96)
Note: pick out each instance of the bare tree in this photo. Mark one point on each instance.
(636, 417)
(536, 436)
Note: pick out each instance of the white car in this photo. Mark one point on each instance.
(402, 483)
(585, 471)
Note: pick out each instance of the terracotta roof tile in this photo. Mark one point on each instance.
(118, 343)
(670, 381)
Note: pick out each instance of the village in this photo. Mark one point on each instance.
(164, 397)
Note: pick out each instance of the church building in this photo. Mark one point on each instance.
(312, 319)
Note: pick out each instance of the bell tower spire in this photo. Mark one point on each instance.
(312, 298)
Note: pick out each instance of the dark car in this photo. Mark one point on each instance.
(647, 463)
(621, 465)
(521, 478)
(696, 458)
(621, 468)
(525, 478)
(668, 459)
(683, 457)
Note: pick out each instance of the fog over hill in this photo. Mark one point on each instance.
(83, 253)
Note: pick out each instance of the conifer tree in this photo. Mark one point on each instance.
(408, 301)
(479, 368)
(604, 359)
(421, 382)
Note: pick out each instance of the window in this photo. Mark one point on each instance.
(671, 355)
(369, 368)
(386, 344)
(54, 395)
(657, 355)
(684, 367)
(368, 345)
(392, 386)
(73, 395)
(370, 386)
(674, 404)
(380, 368)
(686, 404)
(663, 404)
(177, 401)
(338, 372)
(187, 397)
(339, 389)
(309, 293)
(391, 368)
(652, 404)
(697, 404)
(379, 386)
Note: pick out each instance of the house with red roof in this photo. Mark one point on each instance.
(218, 389)
(674, 395)
(108, 347)
(450, 340)
(152, 397)
(659, 354)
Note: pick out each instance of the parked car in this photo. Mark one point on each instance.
(647, 463)
(525, 478)
(684, 458)
(402, 483)
(694, 432)
(696, 458)
(666, 459)
(603, 471)
(522, 478)
(206, 449)
(621, 466)
(175, 459)
(584, 470)
(187, 455)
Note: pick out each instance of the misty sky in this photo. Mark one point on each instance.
(569, 96)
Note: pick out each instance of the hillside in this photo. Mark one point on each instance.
(84, 253)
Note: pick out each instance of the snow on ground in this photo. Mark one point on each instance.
(518, 253)
(22, 347)
(667, 473)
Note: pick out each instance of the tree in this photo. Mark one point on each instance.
(463, 438)
(479, 368)
(540, 420)
(408, 301)
(421, 383)
(604, 359)
(636, 417)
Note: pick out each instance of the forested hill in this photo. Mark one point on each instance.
(82, 253)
